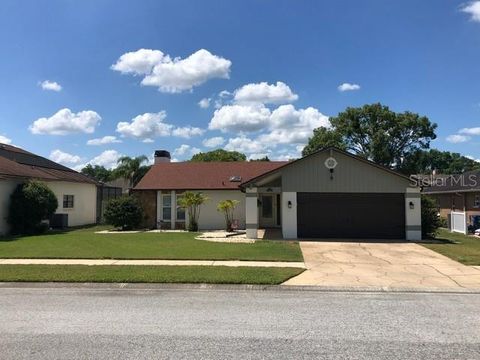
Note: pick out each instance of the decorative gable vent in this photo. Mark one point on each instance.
(235, 178)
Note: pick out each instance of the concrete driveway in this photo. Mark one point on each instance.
(388, 265)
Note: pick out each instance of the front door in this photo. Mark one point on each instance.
(267, 210)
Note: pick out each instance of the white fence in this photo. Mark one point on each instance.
(458, 222)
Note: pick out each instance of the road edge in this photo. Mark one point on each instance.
(227, 287)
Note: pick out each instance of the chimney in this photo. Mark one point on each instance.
(161, 156)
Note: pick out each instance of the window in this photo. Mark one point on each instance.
(166, 207)
(180, 210)
(68, 201)
(476, 202)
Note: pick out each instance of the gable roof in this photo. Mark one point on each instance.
(16, 162)
(289, 163)
(203, 175)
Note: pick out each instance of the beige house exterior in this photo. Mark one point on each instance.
(76, 193)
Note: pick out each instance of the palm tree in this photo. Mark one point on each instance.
(192, 201)
(131, 168)
(228, 209)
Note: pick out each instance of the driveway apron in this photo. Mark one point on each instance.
(389, 265)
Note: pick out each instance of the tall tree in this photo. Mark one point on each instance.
(97, 172)
(442, 162)
(131, 168)
(376, 133)
(219, 155)
(322, 138)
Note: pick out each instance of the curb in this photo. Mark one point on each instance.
(227, 287)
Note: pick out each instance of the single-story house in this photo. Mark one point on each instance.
(328, 194)
(75, 192)
(459, 193)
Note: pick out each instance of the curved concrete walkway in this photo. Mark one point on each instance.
(390, 265)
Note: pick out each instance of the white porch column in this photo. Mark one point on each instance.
(251, 212)
(159, 208)
(413, 214)
(173, 199)
(289, 215)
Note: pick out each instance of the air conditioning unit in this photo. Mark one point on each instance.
(59, 221)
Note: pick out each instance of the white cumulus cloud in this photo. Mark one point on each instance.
(186, 151)
(108, 159)
(293, 126)
(348, 87)
(5, 140)
(213, 142)
(64, 158)
(173, 75)
(146, 126)
(279, 93)
(470, 131)
(187, 132)
(473, 9)
(455, 139)
(66, 122)
(244, 144)
(204, 103)
(51, 85)
(245, 118)
(104, 140)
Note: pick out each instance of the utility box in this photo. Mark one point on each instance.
(59, 221)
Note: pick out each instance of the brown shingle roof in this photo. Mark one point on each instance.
(203, 175)
(16, 162)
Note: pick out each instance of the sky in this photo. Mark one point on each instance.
(87, 82)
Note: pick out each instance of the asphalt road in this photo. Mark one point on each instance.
(69, 323)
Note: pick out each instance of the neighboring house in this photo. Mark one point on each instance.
(459, 193)
(120, 183)
(75, 192)
(328, 194)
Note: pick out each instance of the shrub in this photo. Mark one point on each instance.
(124, 212)
(228, 209)
(430, 218)
(30, 204)
(191, 202)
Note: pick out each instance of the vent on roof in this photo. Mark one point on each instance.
(235, 178)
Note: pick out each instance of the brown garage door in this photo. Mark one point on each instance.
(351, 215)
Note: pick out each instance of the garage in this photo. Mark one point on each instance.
(351, 215)
(333, 194)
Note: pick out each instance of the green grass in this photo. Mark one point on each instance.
(147, 274)
(461, 248)
(85, 244)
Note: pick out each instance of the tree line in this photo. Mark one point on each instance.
(398, 140)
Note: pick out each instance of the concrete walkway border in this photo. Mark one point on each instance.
(113, 262)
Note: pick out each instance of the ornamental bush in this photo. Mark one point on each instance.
(30, 204)
(430, 217)
(124, 212)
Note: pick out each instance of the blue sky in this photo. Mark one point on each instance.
(269, 71)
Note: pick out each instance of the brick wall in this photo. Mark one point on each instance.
(148, 200)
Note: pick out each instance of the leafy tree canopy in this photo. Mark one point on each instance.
(376, 133)
(443, 162)
(97, 172)
(265, 158)
(219, 155)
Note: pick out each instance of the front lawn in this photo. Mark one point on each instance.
(85, 244)
(147, 274)
(461, 248)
